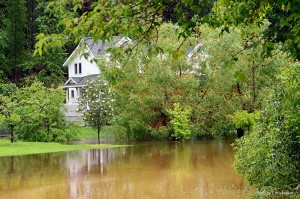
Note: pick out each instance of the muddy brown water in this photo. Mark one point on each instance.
(196, 169)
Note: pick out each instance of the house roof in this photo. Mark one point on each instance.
(79, 81)
(98, 47)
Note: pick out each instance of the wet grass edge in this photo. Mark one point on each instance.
(27, 148)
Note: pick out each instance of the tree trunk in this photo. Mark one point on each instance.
(240, 132)
(12, 134)
(98, 128)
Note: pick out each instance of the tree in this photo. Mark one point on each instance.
(138, 19)
(135, 19)
(9, 117)
(14, 26)
(42, 117)
(20, 21)
(34, 113)
(49, 68)
(264, 157)
(281, 17)
(96, 104)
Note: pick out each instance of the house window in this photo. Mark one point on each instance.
(78, 69)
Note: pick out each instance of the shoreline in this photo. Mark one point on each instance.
(30, 148)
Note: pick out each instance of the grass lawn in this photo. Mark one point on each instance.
(88, 133)
(105, 132)
(25, 148)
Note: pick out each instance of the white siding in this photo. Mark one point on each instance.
(87, 67)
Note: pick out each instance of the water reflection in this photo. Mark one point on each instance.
(149, 170)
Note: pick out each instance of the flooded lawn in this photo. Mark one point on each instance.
(197, 169)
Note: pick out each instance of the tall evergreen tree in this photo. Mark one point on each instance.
(31, 27)
(15, 25)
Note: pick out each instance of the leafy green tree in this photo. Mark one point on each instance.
(96, 104)
(143, 98)
(9, 116)
(243, 121)
(41, 113)
(266, 153)
(180, 121)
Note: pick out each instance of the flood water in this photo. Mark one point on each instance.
(196, 169)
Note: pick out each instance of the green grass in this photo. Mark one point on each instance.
(25, 148)
(109, 132)
(88, 133)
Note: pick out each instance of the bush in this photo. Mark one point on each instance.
(269, 157)
(180, 121)
(119, 132)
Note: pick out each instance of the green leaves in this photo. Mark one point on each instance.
(47, 42)
(243, 119)
(268, 49)
(40, 45)
(180, 121)
(281, 18)
(2, 119)
(14, 119)
(35, 113)
(269, 156)
(240, 76)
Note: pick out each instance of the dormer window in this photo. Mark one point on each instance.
(77, 68)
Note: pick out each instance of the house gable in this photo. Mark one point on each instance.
(82, 60)
(81, 63)
(70, 81)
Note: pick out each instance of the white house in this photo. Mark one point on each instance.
(82, 64)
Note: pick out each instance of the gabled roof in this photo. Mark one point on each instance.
(79, 81)
(96, 48)
(71, 81)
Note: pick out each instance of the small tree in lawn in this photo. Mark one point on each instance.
(96, 104)
(9, 116)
